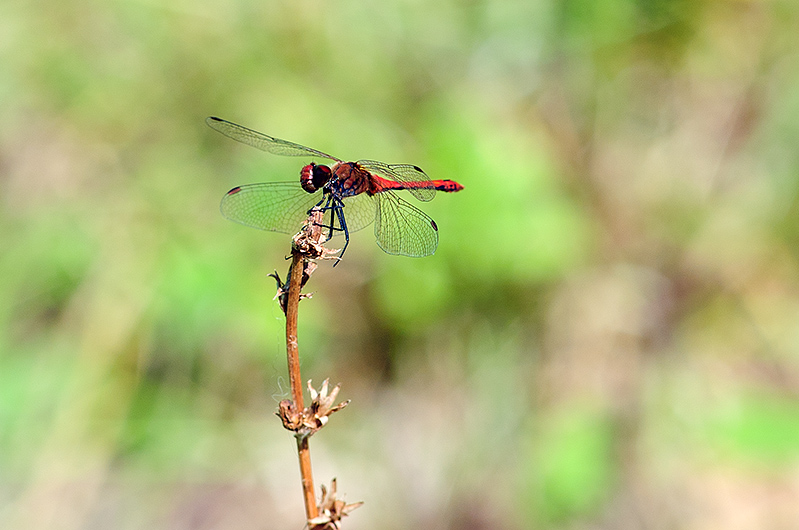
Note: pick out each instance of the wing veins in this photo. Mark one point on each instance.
(262, 141)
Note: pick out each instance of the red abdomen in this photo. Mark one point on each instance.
(381, 184)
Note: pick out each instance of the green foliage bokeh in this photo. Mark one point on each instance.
(606, 333)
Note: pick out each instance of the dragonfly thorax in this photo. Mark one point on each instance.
(313, 177)
(349, 179)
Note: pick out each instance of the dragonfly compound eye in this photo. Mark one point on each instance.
(313, 177)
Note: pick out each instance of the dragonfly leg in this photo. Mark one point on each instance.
(326, 200)
(338, 210)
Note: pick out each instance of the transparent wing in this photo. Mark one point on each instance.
(419, 184)
(359, 211)
(401, 228)
(274, 206)
(283, 207)
(262, 141)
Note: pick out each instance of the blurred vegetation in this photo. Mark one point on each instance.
(605, 338)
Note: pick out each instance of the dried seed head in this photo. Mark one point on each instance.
(331, 510)
(289, 415)
(310, 240)
(315, 416)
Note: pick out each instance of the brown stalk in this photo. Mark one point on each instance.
(295, 380)
(308, 246)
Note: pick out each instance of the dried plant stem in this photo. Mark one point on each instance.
(292, 350)
(304, 422)
(295, 380)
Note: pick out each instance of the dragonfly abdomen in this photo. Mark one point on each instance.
(446, 185)
(381, 184)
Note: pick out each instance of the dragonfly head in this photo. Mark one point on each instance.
(314, 176)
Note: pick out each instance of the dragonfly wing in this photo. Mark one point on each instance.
(262, 141)
(359, 211)
(403, 229)
(418, 182)
(274, 206)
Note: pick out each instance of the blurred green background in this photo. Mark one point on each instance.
(607, 337)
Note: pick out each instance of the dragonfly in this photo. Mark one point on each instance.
(352, 195)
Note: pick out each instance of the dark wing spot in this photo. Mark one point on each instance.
(234, 190)
(435, 227)
(214, 118)
(417, 168)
